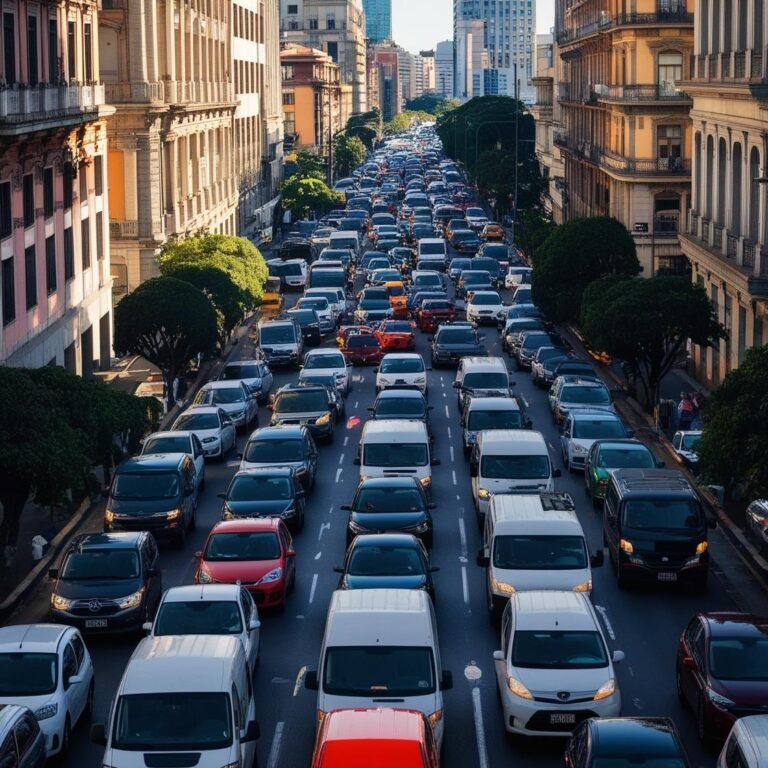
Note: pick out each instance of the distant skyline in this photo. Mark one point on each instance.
(418, 25)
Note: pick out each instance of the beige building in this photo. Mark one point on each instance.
(726, 237)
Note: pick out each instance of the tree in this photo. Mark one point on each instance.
(494, 174)
(576, 254)
(229, 270)
(403, 121)
(367, 126)
(168, 322)
(733, 448)
(535, 227)
(431, 103)
(302, 195)
(645, 322)
(309, 165)
(348, 153)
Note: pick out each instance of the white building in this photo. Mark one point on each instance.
(471, 58)
(444, 69)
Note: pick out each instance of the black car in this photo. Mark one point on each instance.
(642, 742)
(575, 367)
(388, 505)
(309, 323)
(387, 561)
(285, 446)
(453, 341)
(530, 342)
(265, 492)
(107, 582)
(401, 403)
(473, 280)
(313, 406)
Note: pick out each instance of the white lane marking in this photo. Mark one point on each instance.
(277, 740)
(330, 512)
(452, 458)
(638, 704)
(482, 748)
(464, 584)
(300, 676)
(356, 402)
(522, 397)
(463, 539)
(447, 415)
(631, 671)
(442, 382)
(608, 626)
(444, 395)
(338, 473)
(449, 433)
(318, 555)
(313, 588)
(453, 475)
(233, 463)
(341, 459)
(346, 439)
(323, 527)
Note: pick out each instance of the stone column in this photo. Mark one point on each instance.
(170, 41)
(137, 39)
(151, 22)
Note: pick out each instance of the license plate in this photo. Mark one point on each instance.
(566, 718)
(399, 381)
(95, 623)
(664, 576)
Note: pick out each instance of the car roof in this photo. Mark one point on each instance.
(491, 436)
(199, 409)
(386, 540)
(630, 443)
(202, 592)
(402, 355)
(754, 730)
(552, 609)
(226, 384)
(270, 471)
(528, 509)
(400, 427)
(278, 433)
(396, 481)
(485, 293)
(378, 724)
(620, 736)
(590, 414)
(380, 600)
(323, 351)
(392, 393)
(493, 404)
(156, 462)
(580, 380)
(246, 525)
(115, 540)
(32, 638)
(723, 624)
(169, 433)
(644, 481)
(488, 363)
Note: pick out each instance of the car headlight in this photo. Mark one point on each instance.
(46, 711)
(420, 380)
(483, 493)
(435, 717)
(701, 547)
(626, 546)
(131, 601)
(503, 587)
(109, 516)
(426, 481)
(585, 586)
(269, 578)
(580, 449)
(420, 528)
(603, 481)
(607, 689)
(209, 440)
(324, 419)
(61, 603)
(204, 577)
(719, 701)
(174, 514)
(518, 688)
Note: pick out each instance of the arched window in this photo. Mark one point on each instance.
(669, 71)
(754, 195)
(736, 163)
(710, 169)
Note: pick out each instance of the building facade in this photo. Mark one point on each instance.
(626, 130)
(726, 234)
(55, 285)
(387, 61)
(470, 58)
(167, 69)
(378, 20)
(425, 75)
(444, 77)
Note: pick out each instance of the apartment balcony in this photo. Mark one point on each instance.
(135, 230)
(732, 67)
(578, 94)
(48, 106)
(659, 166)
(634, 94)
(672, 16)
(171, 92)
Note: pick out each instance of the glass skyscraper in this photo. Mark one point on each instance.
(378, 20)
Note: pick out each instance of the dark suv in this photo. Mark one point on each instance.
(107, 582)
(452, 341)
(286, 446)
(655, 527)
(314, 406)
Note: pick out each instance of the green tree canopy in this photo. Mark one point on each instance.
(535, 227)
(348, 153)
(168, 322)
(229, 270)
(367, 126)
(494, 173)
(735, 442)
(302, 195)
(403, 121)
(645, 322)
(576, 254)
(309, 165)
(431, 103)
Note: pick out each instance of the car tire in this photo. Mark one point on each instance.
(65, 740)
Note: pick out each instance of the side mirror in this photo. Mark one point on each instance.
(346, 507)
(482, 559)
(338, 569)
(290, 553)
(198, 555)
(251, 733)
(597, 559)
(147, 626)
(430, 407)
(618, 656)
(221, 495)
(370, 408)
(446, 680)
(435, 462)
(311, 683)
(99, 734)
(689, 662)
(431, 506)
(556, 473)
(474, 469)
(255, 624)
(660, 464)
(457, 385)
(53, 573)
(434, 568)
(498, 655)
(75, 679)
(356, 462)
(630, 433)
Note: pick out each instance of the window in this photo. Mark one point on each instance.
(669, 147)
(69, 254)
(98, 174)
(25, 731)
(53, 52)
(28, 196)
(69, 181)
(48, 192)
(71, 48)
(313, 24)
(30, 276)
(670, 70)
(289, 98)
(6, 220)
(83, 176)
(69, 665)
(333, 51)
(8, 291)
(33, 77)
(330, 22)
(99, 236)
(287, 71)
(9, 48)
(88, 50)
(79, 649)
(85, 236)
(51, 282)
(293, 9)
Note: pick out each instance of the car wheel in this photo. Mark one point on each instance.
(65, 739)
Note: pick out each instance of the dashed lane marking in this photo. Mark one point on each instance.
(452, 458)
(323, 527)
(277, 741)
(482, 747)
(447, 415)
(338, 473)
(608, 626)
(312, 589)
(465, 585)
(318, 555)
(341, 459)
(453, 475)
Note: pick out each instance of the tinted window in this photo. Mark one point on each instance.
(485, 300)
(662, 515)
(277, 334)
(243, 371)
(515, 467)
(25, 731)
(486, 380)
(457, 336)
(297, 402)
(27, 674)
(243, 545)
(274, 451)
(220, 396)
(507, 419)
(101, 564)
(739, 658)
(146, 485)
(594, 429)
(575, 393)
(558, 650)
(389, 500)
(395, 455)
(331, 360)
(638, 759)
(537, 553)
(401, 365)
(413, 407)
(194, 421)
(385, 561)
(199, 617)
(362, 341)
(167, 444)
(618, 458)
(258, 488)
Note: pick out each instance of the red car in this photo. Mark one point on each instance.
(257, 552)
(350, 330)
(362, 349)
(722, 670)
(396, 335)
(433, 312)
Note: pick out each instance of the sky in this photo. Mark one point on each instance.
(418, 25)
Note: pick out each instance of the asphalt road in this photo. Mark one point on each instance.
(645, 624)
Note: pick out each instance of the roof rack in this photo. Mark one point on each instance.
(557, 501)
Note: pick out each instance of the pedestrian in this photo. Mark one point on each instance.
(685, 411)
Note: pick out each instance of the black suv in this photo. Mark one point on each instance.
(107, 582)
(285, 446)
(655, 527)
(314, 406)
(452, 341)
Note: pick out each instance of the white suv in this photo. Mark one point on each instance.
(580, 430)
(484, 307)
(328, 362)
(402, 369)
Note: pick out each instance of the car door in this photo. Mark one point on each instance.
(227, 428)
(694, 678)
(153, 577)
(611, 520)
(251, 406)
(591, 465)
(190, 489)
(565, 437)
(84, 670)
(266, 379)
(311, 454)
(289, 554)
(69, 668)
(199, 460)
(506, 637)
(251, 628)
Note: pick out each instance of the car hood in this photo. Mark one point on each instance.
(289, 346)
(340, 371)
(746, 693)
(584, 406)
(88, 589)
(469, 349)
(142, 506)
(259, 508)
(388, 521)
(254, 464)
(301, 416)
(579, 683)
(522, 579)
(385, 582)
(586, 444)
(246, 571)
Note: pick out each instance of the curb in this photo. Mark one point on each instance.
(9, 605)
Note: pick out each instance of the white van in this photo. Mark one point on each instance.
(747, 744)
(346, 239)
(181, 695)
(432, 249)
(509, 461)
(381, 645)
(534, 541)
(396, 447)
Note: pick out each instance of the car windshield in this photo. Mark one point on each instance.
(662, 515)
(404, 407)
(486, 380)
(434, 306)
(500, 467)
(385, 561)
(539, 553)
(739, 658)
(220, 396)
(318, 303)
(27, 674)
(427, 280)
(496, 252)
(485, 299)
(373, 304)
(401, 365)
(596, 429)
(620, 458)
(459, 263)
(258, 488)
(332, 360)
(173, 721)
(242, 545)
(145, 485)
(547, 353)
(361, 340)
(397, 327)
(242, 371)
(300, 402)
(273, 451)
(193, 421)
(303, 316)
(389, 500)
(495, 419)
(533, 649)
(167, 444)
(101, 565)
(395, 455)
(277, 334)
(577, 393)
(690, 442)
(457, 336)
(198, 617)
(379, 671)
(430, 249)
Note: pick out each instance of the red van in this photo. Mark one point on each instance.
(376, 738)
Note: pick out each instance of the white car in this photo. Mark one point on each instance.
(484, 307)
(213, 427)
(324, 311)
(328, 362)
(580, 430)
(554, 664)
(402, 369)
(255, 373)
(182, 441)
(210, 609)
(476, 218)
(517, 276)
(47, 668)
(234, 398)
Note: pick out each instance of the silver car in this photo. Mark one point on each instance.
(234, 398)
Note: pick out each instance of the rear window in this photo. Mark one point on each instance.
(535, 467)
(324, 277)
(597, 429)
(431, 249)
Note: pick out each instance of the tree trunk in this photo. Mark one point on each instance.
(13, 497)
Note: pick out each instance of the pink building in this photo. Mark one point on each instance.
(55, 286)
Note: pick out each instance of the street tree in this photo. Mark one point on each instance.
(302, 195)
(309, 165)
(348, 153)
(367, 126)
(645, 323)
(733, 448)
(494, 174)
(431, 103)
(535, 227)
(168, 322)
(576, 254)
